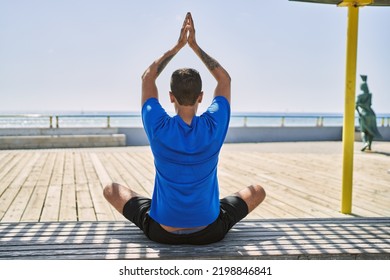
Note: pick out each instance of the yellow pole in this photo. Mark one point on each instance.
(349, 110)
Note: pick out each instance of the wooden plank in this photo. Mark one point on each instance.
(5, 163)
(146, 160)
(2, 156)
(102, 208)
(85, 207)
(140, 173)
(249, 231)
(19, 204)
(367, 168)
(111, 167)
(52, 188)
(352, 238)
(100, 170)
(6, 172)
(270, 208)
(233, 250)
(16, 177)
(104, 178)
(129, 177)
(68, 207)
(37, 200)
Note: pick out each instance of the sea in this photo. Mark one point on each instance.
(133, 119)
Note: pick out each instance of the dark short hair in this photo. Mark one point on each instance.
(186, 86)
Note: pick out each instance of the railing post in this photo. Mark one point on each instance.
(108, 121)
(319, 121)
(57, 124)
(51, 121)
(245, 121)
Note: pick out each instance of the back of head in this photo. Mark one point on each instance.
(186, 86)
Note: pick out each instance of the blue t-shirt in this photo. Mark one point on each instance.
(186, 191)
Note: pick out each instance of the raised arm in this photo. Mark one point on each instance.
(219, 73)
(149, 88)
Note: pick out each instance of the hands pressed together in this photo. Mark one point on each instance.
(187, 33)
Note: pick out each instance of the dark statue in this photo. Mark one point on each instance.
(367, 117)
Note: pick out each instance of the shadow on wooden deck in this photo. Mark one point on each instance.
(352, 238)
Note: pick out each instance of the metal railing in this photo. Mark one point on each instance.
(91, 120)
(57, 121)
(134, 120)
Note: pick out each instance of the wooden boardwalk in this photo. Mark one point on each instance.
(302, 180)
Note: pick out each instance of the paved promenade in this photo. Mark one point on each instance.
(302, 180)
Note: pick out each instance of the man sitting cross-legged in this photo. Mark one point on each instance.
(185, 207)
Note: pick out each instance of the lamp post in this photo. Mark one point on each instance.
(350, 84)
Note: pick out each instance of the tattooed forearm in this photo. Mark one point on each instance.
(163, 64)
(210, 62)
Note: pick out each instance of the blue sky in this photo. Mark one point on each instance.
(89, 55)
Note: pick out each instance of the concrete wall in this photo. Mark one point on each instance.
(384, 131)
(57, 131)
(137, 136)
(283, 134)
(44, 138)
(61, 141)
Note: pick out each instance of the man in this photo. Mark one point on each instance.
(185, 207)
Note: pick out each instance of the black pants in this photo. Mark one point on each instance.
(232, 210)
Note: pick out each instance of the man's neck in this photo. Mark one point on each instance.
(186, 113)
